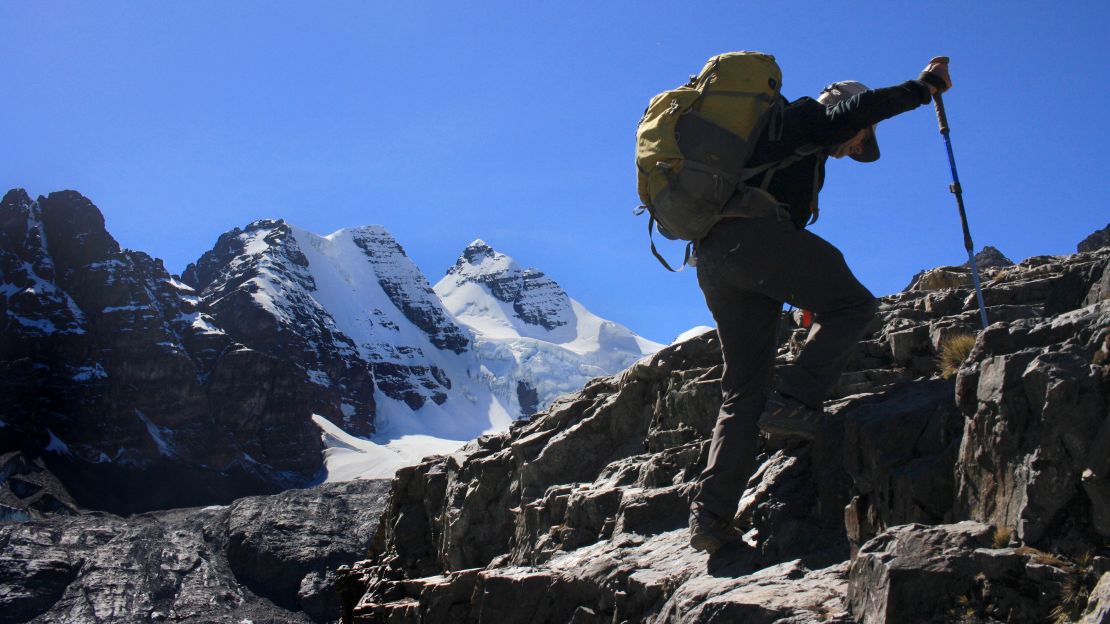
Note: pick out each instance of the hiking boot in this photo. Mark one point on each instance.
(709, 532)
(787, 416)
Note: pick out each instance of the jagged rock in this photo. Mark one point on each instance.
(1032, 417)
(990, 258)
(899, 450)
(631, 578)
(275, 542)
(29, 490)
(914, 573)
(1097, 240)
(1098, 604)
(193, 565)
(939, 278)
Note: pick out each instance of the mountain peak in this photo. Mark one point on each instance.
(476, 252)
(479, 261)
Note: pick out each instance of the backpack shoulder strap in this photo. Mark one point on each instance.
(770, 168)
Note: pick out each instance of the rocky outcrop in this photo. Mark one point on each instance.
(579, 514)
(29, 490)
(1098, 239)
(115, 378)
(263, 559)
(957, 573)
(991, 258)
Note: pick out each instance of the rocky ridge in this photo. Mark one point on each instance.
(980, 497)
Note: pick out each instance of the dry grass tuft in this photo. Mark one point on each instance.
(1073, 600)
(953, 353)
(1002, 537)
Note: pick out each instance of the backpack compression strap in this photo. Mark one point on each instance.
(655, 252)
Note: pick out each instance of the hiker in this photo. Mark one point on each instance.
(748, 267)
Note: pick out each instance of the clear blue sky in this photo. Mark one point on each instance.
(514, 122)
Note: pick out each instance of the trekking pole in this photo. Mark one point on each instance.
(942, 118)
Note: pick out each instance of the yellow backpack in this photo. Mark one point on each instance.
(693, 142)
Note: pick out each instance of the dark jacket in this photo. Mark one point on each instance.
(806, 121)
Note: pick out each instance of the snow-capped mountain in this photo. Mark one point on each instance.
(390, 356)
(359, 318)
(117, 372)
(536, 341)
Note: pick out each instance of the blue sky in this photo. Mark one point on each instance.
(514, 122)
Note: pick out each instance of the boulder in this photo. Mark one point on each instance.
(1099, 239)
(948, 573)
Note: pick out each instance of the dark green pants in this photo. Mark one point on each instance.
(747, 268)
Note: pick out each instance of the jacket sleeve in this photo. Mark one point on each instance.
(806, 121)
(866, 109)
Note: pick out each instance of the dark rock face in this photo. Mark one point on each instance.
(113, 375)
(383, 251)
(261, 296)
(1034, 408)
(1097, 240)
(29, 490)
(536, 298)
(579, 514)
(264, 559)
(991, 258)
(949, 573)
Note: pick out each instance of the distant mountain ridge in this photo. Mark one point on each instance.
(115, 370)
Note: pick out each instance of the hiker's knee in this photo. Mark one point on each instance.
(862, 312)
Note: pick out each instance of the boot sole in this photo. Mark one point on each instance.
(705, 544)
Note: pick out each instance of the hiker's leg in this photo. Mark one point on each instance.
(747, 323)
(803, 269)
(842, 311)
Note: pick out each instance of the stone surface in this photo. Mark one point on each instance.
(1098, 605)
(991, 258)
(1098, 239)
(948, 573)
(29, 490)
(265, 559)
(1033, 416)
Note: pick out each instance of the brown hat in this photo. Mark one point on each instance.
(840, 91)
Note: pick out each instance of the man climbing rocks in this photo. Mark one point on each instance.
(748, 266)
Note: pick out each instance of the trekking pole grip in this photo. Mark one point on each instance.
(942, 118)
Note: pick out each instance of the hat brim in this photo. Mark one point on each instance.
(869, 149)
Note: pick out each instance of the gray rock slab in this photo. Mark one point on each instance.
(266, 559)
